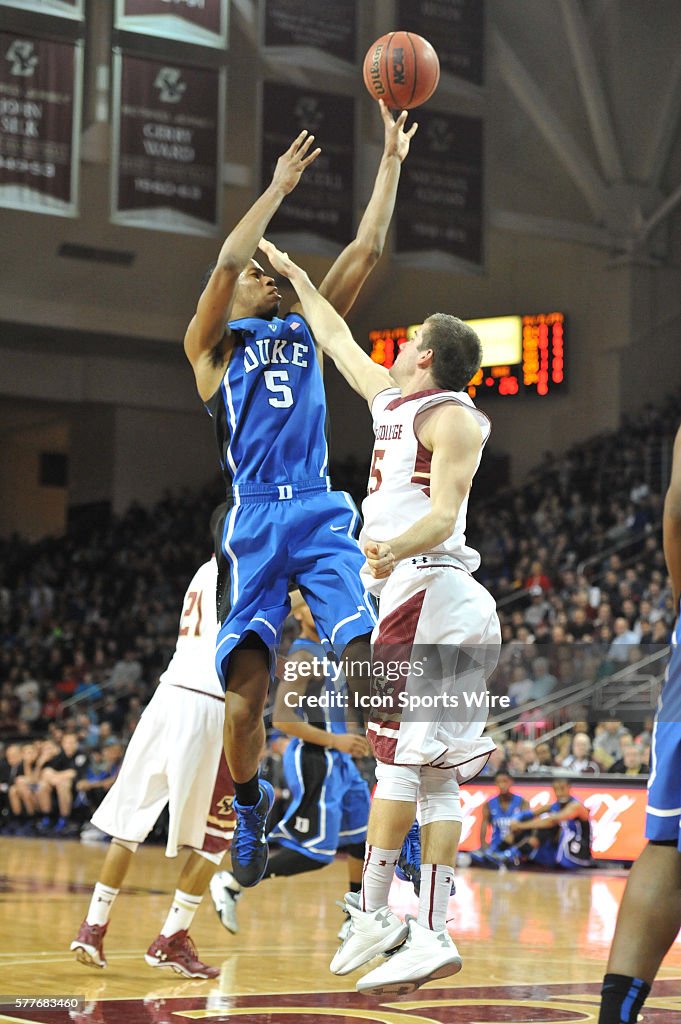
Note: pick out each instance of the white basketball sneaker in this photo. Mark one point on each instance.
(425, 956)
(225, 891)
(371, 932)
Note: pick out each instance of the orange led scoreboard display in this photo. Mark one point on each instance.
(521, 355)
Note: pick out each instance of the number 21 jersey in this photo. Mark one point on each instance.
(269, 412)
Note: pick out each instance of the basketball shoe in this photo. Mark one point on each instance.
(179, 953)
(371, 932)
(88, 944)
(224, 892)
(425, 956)
(249, 845)
(409, 862)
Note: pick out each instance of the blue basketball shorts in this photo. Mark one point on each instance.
(663, 814)
(329, 805)
(306, 539)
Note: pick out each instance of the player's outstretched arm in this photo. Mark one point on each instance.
(331, 332)
(344, 280)
(671, 529)
(453, 436)
(206, 343)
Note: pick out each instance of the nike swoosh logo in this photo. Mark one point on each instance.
(336, 528)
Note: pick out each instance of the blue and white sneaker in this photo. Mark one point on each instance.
(249, 845)
(408, 866)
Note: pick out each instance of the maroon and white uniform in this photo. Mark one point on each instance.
(430, 600)
(175, 755)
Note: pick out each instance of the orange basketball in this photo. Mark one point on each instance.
(402, 69)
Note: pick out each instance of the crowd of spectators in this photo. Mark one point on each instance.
(88, 621)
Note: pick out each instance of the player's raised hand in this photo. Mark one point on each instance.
(380, 558)
(280, 261)
(396, 140)
(293, 162)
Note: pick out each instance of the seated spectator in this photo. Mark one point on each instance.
(520, 686)
(557, 835)
(607, 737)
(10, 765)
(579, 761)
(543, 682)
(629, 763)
(623, 640)
(544, 763)
(497, 813)
(22, 792)
(58, 779)
(97, 779)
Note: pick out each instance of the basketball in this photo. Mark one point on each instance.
(402, 69)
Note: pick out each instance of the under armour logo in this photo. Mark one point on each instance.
(170, 85)
(22, 56)
(384, 918)
(443, 939)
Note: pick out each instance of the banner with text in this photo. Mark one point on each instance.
(322, 204)
(456, 30)
(203, 22)
(40, 101)
(440, 201)
(168, 133)
(298, 23)
(64, 8)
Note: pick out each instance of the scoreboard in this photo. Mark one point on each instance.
(521, 355)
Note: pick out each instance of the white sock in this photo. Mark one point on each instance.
(377, 876)
(181, 914)
(436, 887)
(101, 903)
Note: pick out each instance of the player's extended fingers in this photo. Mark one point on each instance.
(412, 131)
(309, 159)
(304, 147)
(297, 142)
(399, 123)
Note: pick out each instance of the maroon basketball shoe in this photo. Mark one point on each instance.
(179, 952)
(89, 944)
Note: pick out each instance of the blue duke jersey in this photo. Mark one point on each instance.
(331, 718)
(283, 526)
(269, 411)
(663, 816)
(500, 817)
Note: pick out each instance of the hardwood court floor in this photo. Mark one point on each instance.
(534, 947)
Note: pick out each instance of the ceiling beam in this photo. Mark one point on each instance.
(591, 88)
(665, 129)
(557, 135)
(551, 228)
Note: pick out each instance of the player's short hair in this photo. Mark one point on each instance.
(457, 352)
(505, 772)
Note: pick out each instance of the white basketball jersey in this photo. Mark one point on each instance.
(193, 663)
(399, 482)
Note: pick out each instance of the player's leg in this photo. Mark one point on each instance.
(89, 943)
(429, 951)
(375, 929)
(650, 915)
(128, 812)
(253, 576)
(173, 948)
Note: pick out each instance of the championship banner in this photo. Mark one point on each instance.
(323, 203)
(202, 22)
(300, 23)
(65, 8)
(617, 813)
(40, 102)
(440, 201)
(168, 129)
(455, 28)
